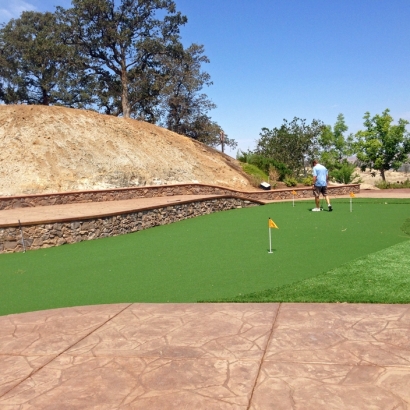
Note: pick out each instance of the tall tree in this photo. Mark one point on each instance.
(123, 45)
(335, 146)
(292, 144)
(36, 66)
(382, 146)
(184, 106)
(182, 101)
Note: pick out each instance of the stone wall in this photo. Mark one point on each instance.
(306, 193)
(60, 233)
(161, 191)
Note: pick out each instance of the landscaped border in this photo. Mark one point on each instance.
(116, 194)
(46, 235)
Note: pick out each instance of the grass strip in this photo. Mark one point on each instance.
(382, 277)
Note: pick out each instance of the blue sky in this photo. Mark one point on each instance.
(276, 59)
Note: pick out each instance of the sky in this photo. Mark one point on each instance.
(272, 60)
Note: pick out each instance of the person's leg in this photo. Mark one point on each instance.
(327, 198)
(316, 193)
(329, 207)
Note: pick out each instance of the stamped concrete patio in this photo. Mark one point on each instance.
(207, 356)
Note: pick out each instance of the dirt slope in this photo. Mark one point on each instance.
(54, 149)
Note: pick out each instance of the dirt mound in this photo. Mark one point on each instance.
(54, 149)
(368, 179)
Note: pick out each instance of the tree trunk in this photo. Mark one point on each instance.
(382, 175)
(45, 99)
(124, 94)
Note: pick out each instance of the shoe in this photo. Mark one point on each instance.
(316, 210)
(330, 208)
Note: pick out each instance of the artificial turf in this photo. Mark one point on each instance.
(215, 256)
(380, 277)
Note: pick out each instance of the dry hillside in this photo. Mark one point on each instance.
(54, 149)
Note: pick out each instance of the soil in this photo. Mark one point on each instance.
(54, 149)
(368, 179)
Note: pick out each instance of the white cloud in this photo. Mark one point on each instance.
(13, 9)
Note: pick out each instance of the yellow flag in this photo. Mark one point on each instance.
(272, 224)
(352, 195)
(294, 193)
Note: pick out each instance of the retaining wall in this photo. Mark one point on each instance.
(59, 233)
(161, 191)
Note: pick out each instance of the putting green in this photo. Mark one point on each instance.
(209, 257)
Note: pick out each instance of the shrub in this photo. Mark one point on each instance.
(256, 176)
(254, 170)
(392, 185)
(273, 173)
(264, 164)
(290, 181)
(344, 174)
(308, 181)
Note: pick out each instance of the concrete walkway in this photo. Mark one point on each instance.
(67, 212)
(207, 356)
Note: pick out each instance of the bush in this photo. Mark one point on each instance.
(264, 164)
(344, 174)
(392, 185)
(290, 181)
(256, 176)
(308, 181)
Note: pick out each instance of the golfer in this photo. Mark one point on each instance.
(320, 180)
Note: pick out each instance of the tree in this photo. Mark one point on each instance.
(335, 147)
(185, 108)
(292, 144)
(382, 146)
(121, 58)
(36, 66)
(123, 46)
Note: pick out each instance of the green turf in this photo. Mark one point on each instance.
(381, 277)
(211, 257)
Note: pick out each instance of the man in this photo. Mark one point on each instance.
(320, 180)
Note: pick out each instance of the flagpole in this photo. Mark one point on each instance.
(351, 207)
(270, 236)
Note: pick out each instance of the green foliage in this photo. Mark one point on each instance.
(256, 175)
(121, 58)
(124, 43)
(273, 175)
(264, 163)
(343, 173)
(38, 67)
(186, 110)
(308, 181)
(393, 185)
(292, 144)
(254, 170)
(335, 147)
(290, 181)
(382, 146)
